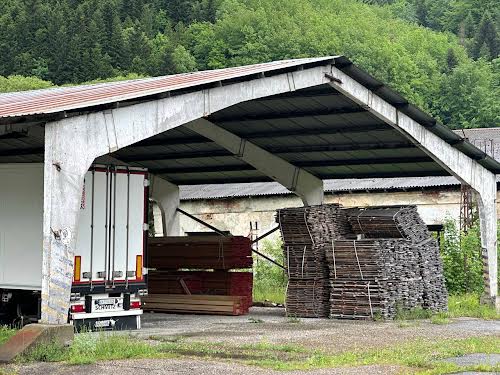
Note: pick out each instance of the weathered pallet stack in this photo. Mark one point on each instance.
(412, 255)
(372, 277)
(203, 283)
(194, 304)
(388, 222)
(303, 231)
(202, 252)
(395, 265)
(215, 290)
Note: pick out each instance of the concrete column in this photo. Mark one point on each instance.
(307, 186)
(166, 195)
(486, 199)
(72, 144)
(64, 172)
(463, 167)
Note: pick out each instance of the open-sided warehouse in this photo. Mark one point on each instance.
(296, 122)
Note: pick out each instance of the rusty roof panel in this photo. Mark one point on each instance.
(61, 99)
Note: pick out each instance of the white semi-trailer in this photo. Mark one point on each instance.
(108, 275)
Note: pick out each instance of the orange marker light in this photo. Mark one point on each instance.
(77, 270)
(138, 267)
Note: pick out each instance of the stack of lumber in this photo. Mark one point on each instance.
(307, 298)
(373, 277)
(304, 231)
(388, 222)
(435, 295)
(199, 304)
(396, 264)
(199, 252)
(203, 283)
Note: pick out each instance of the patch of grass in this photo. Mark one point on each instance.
(6, 372)
(255, 320)
(468, 305)
(293, 319)
(416, 313)
(423, 356)
(440, 318)
(263, 292)
(6, 333)
(88, 348)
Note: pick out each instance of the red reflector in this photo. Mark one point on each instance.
(135, 304)
(77, 308)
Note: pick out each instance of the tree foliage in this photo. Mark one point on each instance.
(75, 41)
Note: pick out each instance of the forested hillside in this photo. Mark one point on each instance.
(441, 54)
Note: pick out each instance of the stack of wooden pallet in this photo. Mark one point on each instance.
(194, 304)
(203, 283)
(388, 222)
(304, 231)
(215, 290)
(202, 252)
(435, 296)
(395, 265)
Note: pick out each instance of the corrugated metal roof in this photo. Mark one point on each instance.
(320, 130)
(485, 139)
(224, 191)
(47, 101)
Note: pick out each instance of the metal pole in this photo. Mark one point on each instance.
(266, 234)
(269, 259)
(225, 235)
(202, 222)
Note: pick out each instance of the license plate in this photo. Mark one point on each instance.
(108, 304)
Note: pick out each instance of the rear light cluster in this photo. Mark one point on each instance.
(135, 304)
(74, 297)
(77, 308)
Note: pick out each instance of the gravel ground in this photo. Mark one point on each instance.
(181, 367)
(476, 359)
(270, 325)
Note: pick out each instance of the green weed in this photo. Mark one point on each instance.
(6, 333)
(468, 305)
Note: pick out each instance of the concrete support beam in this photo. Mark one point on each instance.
(166, 195)
(307, 186)
(72, 145)
(460, 165)
(66, 162)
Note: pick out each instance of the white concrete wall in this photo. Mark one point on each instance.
(235, 214)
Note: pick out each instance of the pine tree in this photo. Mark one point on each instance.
(486, 41)
(451, 59)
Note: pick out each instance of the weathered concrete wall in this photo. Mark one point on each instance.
(235, 214)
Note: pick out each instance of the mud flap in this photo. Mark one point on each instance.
(108, 323)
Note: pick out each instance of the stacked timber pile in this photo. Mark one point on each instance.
(373, 277)
(396, 264)
(203, 283)
(304, 230)
(202, 252)
(195, 304)
(214, 290)
(405, 222)
(389, 222)
(435, 295)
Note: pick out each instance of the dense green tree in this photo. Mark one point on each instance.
(75, 41)
(487, 40)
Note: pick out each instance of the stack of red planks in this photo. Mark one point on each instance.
(199, 252)
(203, 283)
(177, 285)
